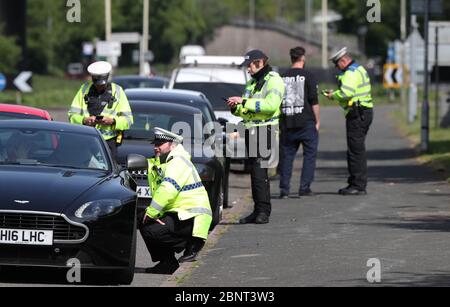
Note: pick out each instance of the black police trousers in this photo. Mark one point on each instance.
(358, 125)
(112, 144)
(258, 146)
(163, 241)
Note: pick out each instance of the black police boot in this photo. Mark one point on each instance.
(352, 191)
(262, 218)
(249, 219)
(308, 193)
(284, 195)
(341, 191)
(192, 250)
(165, 267)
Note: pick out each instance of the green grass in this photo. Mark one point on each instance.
(48, 92)
(438, 155)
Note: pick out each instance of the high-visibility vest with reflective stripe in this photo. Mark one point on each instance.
(262, 108)
(176, 187)
(354, 86)
(120, 111)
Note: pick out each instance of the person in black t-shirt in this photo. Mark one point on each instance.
(300, 124)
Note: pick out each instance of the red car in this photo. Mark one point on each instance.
(9, 111)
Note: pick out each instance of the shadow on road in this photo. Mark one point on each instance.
(429, 222)
(51, 276)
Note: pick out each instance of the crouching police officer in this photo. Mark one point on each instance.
(179, 216)
(354, 96)
(102, 105)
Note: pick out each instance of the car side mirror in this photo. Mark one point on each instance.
(136, 163)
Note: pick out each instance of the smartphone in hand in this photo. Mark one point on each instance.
(99, 118)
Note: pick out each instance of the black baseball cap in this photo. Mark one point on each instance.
(253, 55)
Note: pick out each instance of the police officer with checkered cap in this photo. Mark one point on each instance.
(179, 215)
(355, 98)
(163, 136)
(102, 105)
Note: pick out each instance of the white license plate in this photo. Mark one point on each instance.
(144, 192)
(26, 237)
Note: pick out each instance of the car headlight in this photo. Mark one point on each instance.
(98, 208)
(206, 173)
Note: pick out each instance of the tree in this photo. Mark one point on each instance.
(10, 52)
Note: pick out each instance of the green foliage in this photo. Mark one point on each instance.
(10, 54)
(52, 40)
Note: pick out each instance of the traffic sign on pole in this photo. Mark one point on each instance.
(20, 82)
(393, 76)
(2, 82)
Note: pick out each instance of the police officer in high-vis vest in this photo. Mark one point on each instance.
(179, 216)
(102, 105)
(354, 96)
(260, 110)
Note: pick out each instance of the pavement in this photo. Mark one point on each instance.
(402, 226)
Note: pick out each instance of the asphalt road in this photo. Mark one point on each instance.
(328, 240)
(45, 277)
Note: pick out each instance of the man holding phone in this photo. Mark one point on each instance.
(102, 105)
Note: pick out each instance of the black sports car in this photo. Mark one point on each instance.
(62, 198)
(148, 115)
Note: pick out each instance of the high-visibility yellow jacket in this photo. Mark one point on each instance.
(354, 86)
(262, 108)
(176, 187)
(120, 111)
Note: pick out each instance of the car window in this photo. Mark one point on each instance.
(52, 149)
(10, 116)
(215, 92)
(126, 84)
(185, 124)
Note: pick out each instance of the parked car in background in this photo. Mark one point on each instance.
(12, 111)
(217, 77)
(141, 82)
(188, 98)
(189, 50)
(151, 114)
(63, 197)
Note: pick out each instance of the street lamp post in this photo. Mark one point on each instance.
(145, 37)
(324, 34)
(252, 20)
(108, 26)
(426, 106)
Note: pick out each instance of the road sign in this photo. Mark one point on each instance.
(109, 49)
(21, 82)
(126, 37)
(393, 76)
(418, 7)
(2, 82)
(18, 82)
(149, 56)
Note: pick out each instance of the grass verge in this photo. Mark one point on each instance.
(438, 155)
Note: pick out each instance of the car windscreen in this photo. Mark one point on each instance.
(215, 92)
(140, 83)
(11, 115)
(35, 147)
(187, 124)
